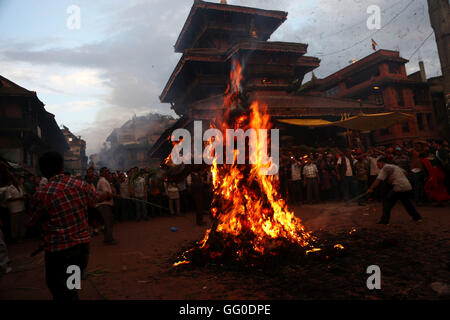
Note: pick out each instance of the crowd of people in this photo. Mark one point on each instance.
(136, 194)
(343, 175)
(142, 193)
(303, 178)
(70, 209)
(334, 175)
(67, 210)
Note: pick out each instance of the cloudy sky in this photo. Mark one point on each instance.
(116, 64)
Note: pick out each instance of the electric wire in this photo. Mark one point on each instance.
(372, 34)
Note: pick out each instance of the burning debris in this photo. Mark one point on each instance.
(251, 221)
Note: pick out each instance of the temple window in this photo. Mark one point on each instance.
(384, 132)
(379, 99)
(405, 126)
(430, 121)
(394, 68)
(420, 123)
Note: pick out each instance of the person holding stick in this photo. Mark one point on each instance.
(60, 209)
(401, 189)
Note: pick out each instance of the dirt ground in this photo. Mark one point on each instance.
(412, 257)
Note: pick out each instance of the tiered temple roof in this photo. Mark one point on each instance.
(211, 23)
(213, 35)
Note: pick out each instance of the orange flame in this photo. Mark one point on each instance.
(168, 160)
(249, 202)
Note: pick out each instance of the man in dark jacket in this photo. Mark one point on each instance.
(346, 172)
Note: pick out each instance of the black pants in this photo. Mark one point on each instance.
(391, 199)
(312, 190)
(348, 186)
(296, 191)
(5, 217)
(156, 199)
(362, 187)
(56, 264)
(117, 211)
(183, 201)
(108, 220)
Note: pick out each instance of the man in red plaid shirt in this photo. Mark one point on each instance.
(60, 208)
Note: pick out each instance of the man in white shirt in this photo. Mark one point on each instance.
(296, 188)
(373, 168)
(140, 193)
(401, 189)
(373, 171)
(106, 207)
(124, 191)
(173, 194)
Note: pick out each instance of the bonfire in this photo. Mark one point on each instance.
(251, 221)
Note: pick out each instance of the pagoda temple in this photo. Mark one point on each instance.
(215, 34)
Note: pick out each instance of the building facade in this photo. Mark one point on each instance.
(26, 129)
(439, 11)
(380, 78)
(129, 145)
(75, 159)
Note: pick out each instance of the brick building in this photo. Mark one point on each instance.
(26, 129)
(380, 78)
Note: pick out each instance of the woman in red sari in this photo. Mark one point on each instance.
(434, 187)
